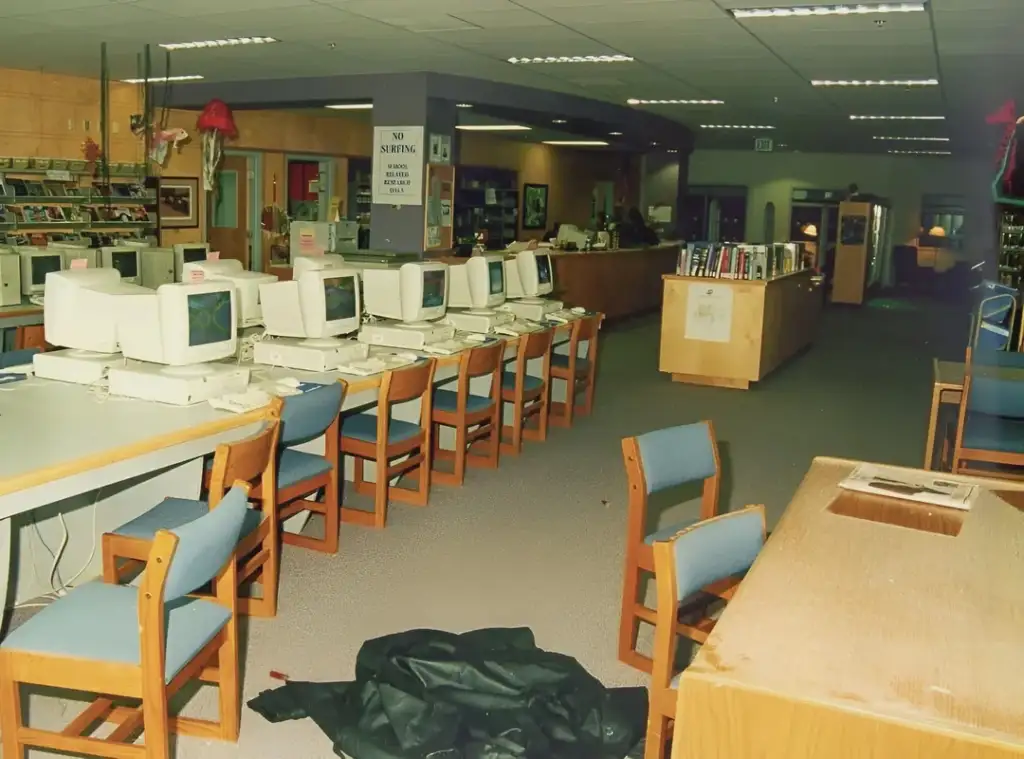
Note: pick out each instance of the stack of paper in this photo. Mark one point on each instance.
(924, 487)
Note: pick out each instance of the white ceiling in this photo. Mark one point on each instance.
(684, 49)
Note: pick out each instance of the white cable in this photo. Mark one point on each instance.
(92, 551)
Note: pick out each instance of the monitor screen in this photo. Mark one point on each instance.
(209, 318)
(191, 255)
(339, 298)
(433, 288)
(43, 265)
(127, 263)
(496, 271)
(543, 270)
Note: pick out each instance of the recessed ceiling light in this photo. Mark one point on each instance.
(615, 134)
(735, 126)
(227, 42)
(634, 101)
(920, 152)
(493, 128)
(574, 59)
(350, 106)
(673, 150)
(163, 79)
(875, 82)
(463, 105)
(858, 9)
(897, 118)
(557, 121)
(912, 139)
(577, 143)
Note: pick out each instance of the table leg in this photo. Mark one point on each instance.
(5, 569)
(933, 420)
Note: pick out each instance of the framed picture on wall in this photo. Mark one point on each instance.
(535, 206)
(179, 202)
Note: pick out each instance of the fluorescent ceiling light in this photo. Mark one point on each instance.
(463, 105)
(165, 79)
(897, 118)
(493, 128)
(578, 143)
(859, 9)
(875, 82)
(574, 59)
(634, 101)
(557, 121)
(912, 139)
(228, 42)
(920, 152)
(615, 134)
(734, 126)
(350, 106)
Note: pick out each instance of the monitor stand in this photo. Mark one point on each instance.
(75, 366)
(408, 335)
(478, 319)
(313, 355)
(534, 309)
(177, 385)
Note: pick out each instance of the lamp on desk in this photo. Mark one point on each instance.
(811, 230)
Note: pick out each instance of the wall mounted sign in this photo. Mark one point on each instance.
(440, 148)
(398, 165)
(763, 144)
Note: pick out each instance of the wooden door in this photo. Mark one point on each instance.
(228, 214)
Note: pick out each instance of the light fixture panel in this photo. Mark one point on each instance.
(810, 11)
(555, 59)
(166, 79)
(217, 43)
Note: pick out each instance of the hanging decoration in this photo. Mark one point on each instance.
(91, 152)
(215, 124)
(163, 141)
(1006, 158)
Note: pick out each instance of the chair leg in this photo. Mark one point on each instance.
(380, 493)
(155, 722)
(629, 622)
(332, 514)
(228, 687)
(460, 455)
(516, 431)
(570, 401)
(588, 397)
(109, 561)
(542, 417)
(10, 713)
(657, 733)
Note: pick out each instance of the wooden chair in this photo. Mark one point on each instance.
(578, 372)
(381, 439)
(257, 554)
(989, 436)
(304, 418)
(463, 410)
(141, 644)
(529, 395)
(712, 553)
(657, 461)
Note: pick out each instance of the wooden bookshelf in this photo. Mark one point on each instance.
(731, 332)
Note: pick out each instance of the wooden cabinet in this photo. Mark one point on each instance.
(757, 327)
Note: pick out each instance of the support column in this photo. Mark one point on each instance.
(682, 188)
(406, 103)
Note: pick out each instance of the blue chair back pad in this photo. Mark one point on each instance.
(307, 416)
(996, 396)
(717, 548)
(204, 545)
(676, 455)
(18, 357)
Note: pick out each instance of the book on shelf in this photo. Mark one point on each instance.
(742, 261)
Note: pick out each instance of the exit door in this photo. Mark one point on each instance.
(229, 232)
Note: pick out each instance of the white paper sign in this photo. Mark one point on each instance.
(398, 165)
(440, 148)
(446, 213)
(709, 313)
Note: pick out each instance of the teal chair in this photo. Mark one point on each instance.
(658, 461)
(713, 553)
(137, 644)
(989, 438)
(17, 357)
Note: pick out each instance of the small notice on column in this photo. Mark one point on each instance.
(709, 313)
(398, 165)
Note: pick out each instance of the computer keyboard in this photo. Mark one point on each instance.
(240, 403)
(378, 363)
(449, 347)
(516, 328)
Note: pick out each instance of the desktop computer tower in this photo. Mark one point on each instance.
(10, 279)
(157, 267)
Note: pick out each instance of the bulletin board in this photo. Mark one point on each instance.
(438, 232)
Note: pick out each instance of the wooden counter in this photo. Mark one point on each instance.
(851, 638)
(739, 331)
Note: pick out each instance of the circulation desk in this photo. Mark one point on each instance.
(729, 333)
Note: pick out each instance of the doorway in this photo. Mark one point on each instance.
(233, 209)
(310, 179)
(816, 224)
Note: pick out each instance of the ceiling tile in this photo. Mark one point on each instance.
(515, 18)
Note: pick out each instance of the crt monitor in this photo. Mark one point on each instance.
(477, 284)
(36, 263)
(529, 274)
(413, 293)
(180, 324)
(316, 306)
(247, 284)
(301, 264)
(80, 310)
(188, 253)
(125, 259)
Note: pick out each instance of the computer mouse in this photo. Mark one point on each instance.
(289, 382)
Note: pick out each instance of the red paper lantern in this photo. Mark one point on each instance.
(216, 116)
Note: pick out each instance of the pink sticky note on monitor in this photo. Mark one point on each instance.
(196, 275)
(213, 255)
(79, 263)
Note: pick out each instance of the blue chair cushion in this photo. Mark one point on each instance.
(447, 400)
(364, 427)
(298, 466)
(562, 360)
(667, 532)
(530, 383)
(172, 513)
(993, 433)
(100, 623)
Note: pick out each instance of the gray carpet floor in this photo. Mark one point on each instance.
(539, 542)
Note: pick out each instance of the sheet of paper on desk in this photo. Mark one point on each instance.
(924, 487)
